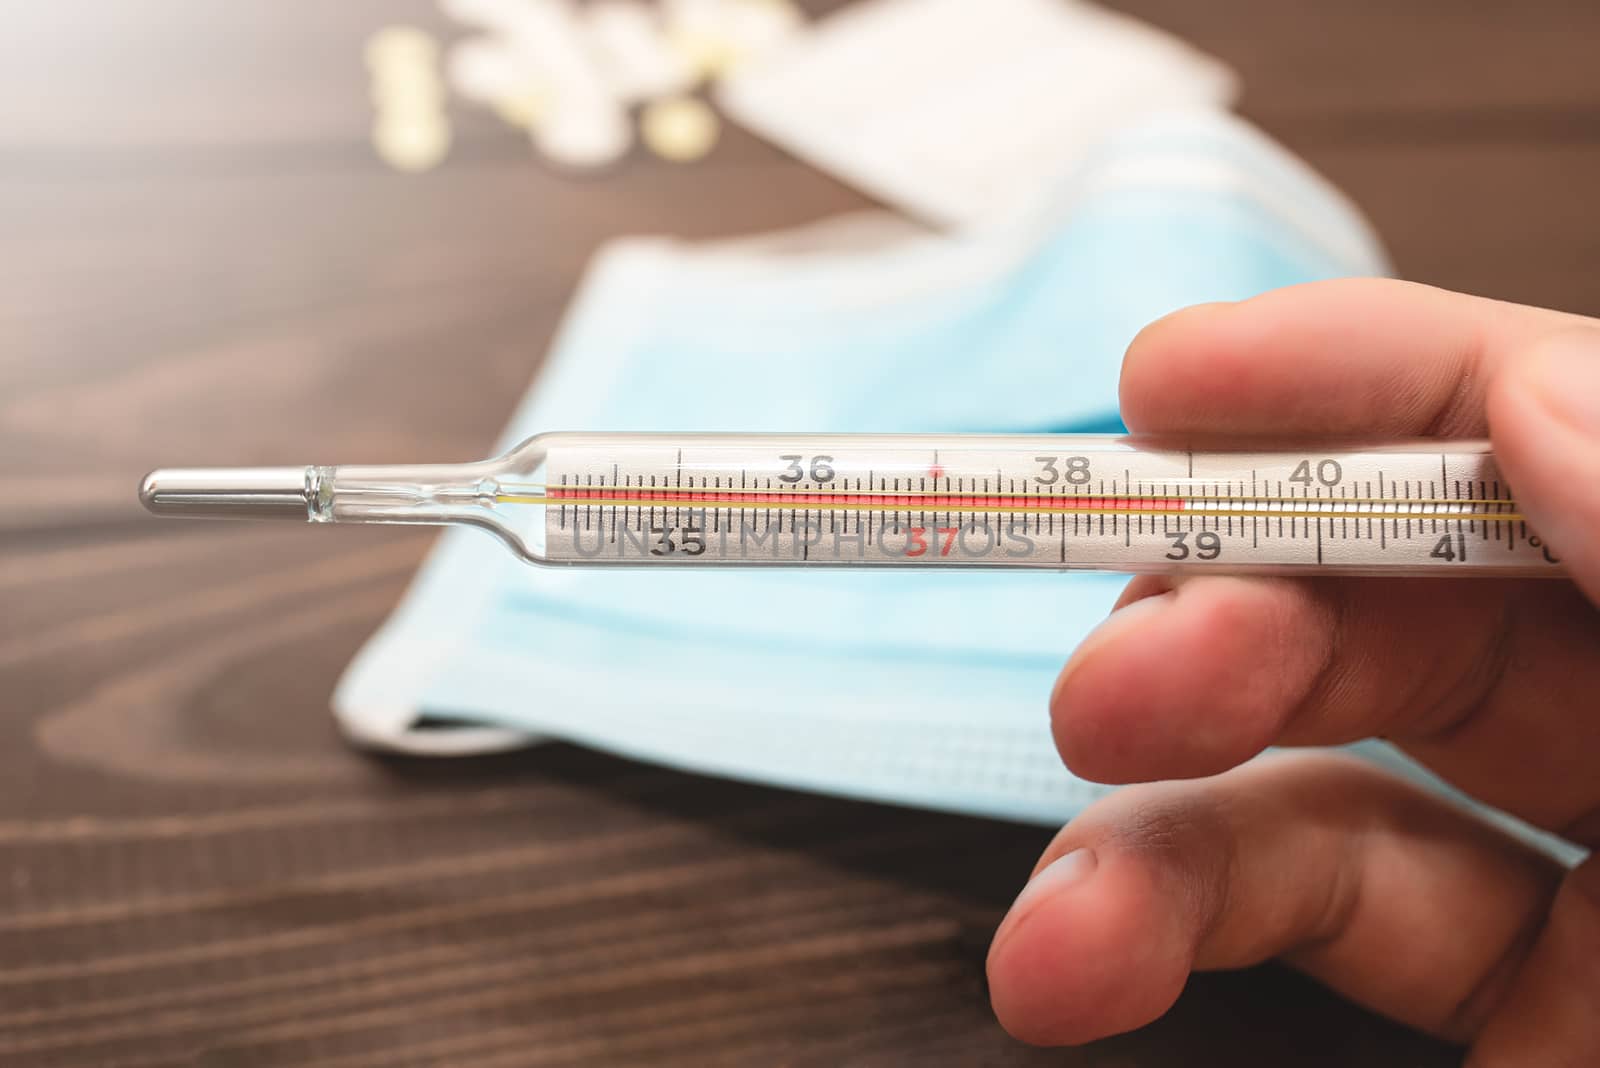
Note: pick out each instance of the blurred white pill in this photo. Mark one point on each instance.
(630, 46)
(411, 143)
(483, 70)
(681, 128)
(582, 137)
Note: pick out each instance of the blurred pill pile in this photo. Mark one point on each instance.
(582, 81)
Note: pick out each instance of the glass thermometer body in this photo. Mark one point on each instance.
(1055, 502)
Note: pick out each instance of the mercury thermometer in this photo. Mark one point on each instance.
(1053, 502)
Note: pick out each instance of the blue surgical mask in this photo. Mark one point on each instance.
(921, 688)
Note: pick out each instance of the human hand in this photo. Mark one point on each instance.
(1380, 890)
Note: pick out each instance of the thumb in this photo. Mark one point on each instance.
(1544, 419)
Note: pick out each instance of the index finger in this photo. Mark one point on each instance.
(1355, 357)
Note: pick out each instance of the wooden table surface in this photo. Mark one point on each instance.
(202, 262)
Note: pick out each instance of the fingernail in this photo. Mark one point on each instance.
(1064, 871)
(1124, 616)
(1564, 375)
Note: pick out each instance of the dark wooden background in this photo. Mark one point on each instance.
(201, 262)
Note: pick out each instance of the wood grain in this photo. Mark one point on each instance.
(204, 264)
